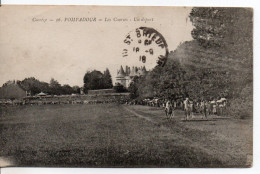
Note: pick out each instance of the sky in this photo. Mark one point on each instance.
(64, 50)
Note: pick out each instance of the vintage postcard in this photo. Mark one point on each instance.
(114, 86)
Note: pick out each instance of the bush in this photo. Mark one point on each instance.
(242, 106)
(119, 88)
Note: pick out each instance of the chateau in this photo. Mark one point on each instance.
(126, 76)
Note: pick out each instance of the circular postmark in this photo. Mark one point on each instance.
(146, 46)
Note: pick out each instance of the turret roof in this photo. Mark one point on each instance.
(121, 72)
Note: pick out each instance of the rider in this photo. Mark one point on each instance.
(168, 108)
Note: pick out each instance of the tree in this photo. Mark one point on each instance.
(119, 88)
(76, 89)
(163, 82)
(210, 26)
(221, 26)
(8, 82)
(228, 52)
(97, 80)
(34, 86)
(31, 84)
(107, 79)
(67, 89)
(93, 80)
(217, 63)
(55, 87)
(133, 87)
(44, 87)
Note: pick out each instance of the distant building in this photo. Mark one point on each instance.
(125, 77)
(12, 91)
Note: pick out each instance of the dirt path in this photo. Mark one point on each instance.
(139, 115)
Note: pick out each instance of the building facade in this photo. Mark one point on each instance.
(125, 77)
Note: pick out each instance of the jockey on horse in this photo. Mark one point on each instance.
(169, 109)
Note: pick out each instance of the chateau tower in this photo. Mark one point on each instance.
(126, 76)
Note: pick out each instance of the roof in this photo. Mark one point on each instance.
(41, 94)
(121, 72)
(133, 72)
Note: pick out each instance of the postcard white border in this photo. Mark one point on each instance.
(220, 3)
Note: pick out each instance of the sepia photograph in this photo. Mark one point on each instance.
(126, 86)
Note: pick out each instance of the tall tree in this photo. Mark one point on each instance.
(55, 87)
(93, 80)
(217, 63)
(226, 35)
(133, 87)
(67, 89)
(164, 82)
(107, 79)
(76, 89)
(31, 84)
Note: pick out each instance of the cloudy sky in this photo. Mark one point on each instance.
(65, 50)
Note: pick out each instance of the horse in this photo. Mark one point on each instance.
(169, 110)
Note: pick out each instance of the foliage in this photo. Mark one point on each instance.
(97, 80)
(67, 89)
(133, 88)
(119, 88)
(164, 82)
(107, 79)
(93, 80)
(76, 89)
(226, 58)
(217, 63)
(242, 105)
(55, 87)
(220, 26)
(34, 86)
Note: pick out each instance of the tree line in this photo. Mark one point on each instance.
(35, 86)
(94, 80)
(218, 62)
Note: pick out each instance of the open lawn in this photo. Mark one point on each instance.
(111, 135)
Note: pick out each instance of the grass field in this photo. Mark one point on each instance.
(110, 135)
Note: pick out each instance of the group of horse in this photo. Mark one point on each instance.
(216, 107)
(190, 107)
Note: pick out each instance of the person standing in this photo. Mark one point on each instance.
(204, 104)
(186, 108)
(214, 110)
(191, 108)
(168, 109)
